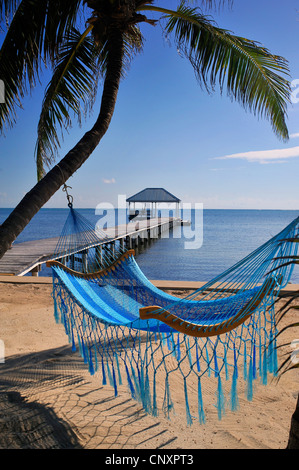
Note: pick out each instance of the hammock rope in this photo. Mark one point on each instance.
(129, 331)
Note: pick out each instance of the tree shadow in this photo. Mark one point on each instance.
(49, 400)
(24, 422)
(31, 425)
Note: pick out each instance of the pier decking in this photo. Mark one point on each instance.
(27, 257)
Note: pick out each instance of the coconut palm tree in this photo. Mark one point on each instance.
(85, 40)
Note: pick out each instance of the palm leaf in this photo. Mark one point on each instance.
(35, 31)
(291, 257)
(211, 4)
(248, 71)
(293, 325)
(283, 265)
(286, 367)
(7, 9)
(133, 44)
(288, 364)
(72, 89)
(286, 308)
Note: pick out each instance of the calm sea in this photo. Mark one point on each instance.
(214, 241)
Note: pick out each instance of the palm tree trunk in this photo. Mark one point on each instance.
(34, 200)
(294, 431)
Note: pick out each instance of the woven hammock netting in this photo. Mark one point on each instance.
(213, 344)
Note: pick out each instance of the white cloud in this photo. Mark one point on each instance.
(264, 156)
(107, 181)
(294, 136)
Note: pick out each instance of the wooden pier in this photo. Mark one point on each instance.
(28, 257)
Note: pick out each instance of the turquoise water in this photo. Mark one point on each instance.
(215, 240)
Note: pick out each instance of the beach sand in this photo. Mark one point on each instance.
(49, 400)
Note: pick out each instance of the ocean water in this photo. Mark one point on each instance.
(215, 240)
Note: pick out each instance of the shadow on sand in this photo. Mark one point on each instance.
(48, 400)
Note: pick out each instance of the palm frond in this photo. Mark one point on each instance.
(291, 361)
(286, 366)
(35, 31)
(249, 72)
(72, 90)
(61, 18)
(281, 313)
(133, 44)
(293, 325)
(211, 4)
(288, 263)
(7, 9)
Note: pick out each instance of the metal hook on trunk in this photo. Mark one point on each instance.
(69, 197)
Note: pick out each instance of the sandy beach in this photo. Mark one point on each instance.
(49, 400)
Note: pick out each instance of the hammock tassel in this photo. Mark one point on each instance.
(178, 348)
(154, 406)
(91, 367)
(167, 403)
(250, 381)
(137, 387)
(56, 314)
(110, 378)
(275, 359)
(254, 373)
(114, 381)
(234, 393)
(104, 380)
(271, 354)
(118, 368)
(245, 363)
(84, 353)
(197, 359)
(73, 342)
(188, 414)
(265, 368)
(130, 383)
(220, 399)
(147, 395)
(201, 413)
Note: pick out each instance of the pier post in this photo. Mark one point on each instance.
(72, 261)
(35, 271)
(84, 260)
(99, 254)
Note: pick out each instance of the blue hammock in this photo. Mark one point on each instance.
(127, 328)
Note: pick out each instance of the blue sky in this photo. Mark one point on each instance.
(168, 132)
